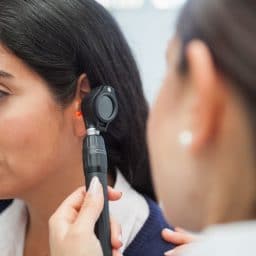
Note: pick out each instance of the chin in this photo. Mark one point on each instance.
(7, 193)
(6, 196)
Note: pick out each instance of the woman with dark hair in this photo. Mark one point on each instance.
(205, 118)
(202, 128)
(52, 54)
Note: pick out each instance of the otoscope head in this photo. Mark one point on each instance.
(99, 108)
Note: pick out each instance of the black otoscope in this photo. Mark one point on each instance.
(99, 109)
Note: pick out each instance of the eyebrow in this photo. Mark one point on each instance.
(4, 74)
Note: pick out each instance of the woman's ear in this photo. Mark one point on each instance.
(208, 95)
(83, 88)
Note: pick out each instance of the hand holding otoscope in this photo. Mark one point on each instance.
(81, 225)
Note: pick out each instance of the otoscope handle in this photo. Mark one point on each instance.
(95, 164)
(102, 228)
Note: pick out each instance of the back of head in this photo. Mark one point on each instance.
(62, 39)
(227, 27)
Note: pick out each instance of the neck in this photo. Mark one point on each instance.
(233, 198)
(43, 201)
(233, 175)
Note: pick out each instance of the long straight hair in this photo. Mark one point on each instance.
(62, 39)
(227, 27)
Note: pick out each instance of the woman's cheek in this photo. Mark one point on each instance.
(27, 143)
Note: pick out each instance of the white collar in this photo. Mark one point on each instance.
(131, 211)
(13, 220)
(13, 223)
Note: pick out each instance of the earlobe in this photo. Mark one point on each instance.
(208, 95)
(79, 125)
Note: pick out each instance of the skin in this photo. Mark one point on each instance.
(40, 146)
(198, 183)
(181, 238)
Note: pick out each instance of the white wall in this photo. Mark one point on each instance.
(148, 30)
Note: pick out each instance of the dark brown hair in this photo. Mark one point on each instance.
(228, 28)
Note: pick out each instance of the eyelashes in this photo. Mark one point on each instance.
(3, 94)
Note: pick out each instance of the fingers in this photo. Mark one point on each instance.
(116, 234)
(83, 208)
(181, 230)
(67, 212)
(116, 253)
(113, 195)
(72, 202)
(76, 199)
(92, 206)
(177, 251)
(177, 238)
(191, 237)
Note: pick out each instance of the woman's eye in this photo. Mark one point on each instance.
(3, 94)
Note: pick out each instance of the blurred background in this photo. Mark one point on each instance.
(147, 25)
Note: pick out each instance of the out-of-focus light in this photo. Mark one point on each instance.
(167, 4)
(105, 3)
(122, 4)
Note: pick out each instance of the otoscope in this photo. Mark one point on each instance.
(99, 109)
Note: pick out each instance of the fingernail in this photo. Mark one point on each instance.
(120, 238)
(169, 253)
(94, 188)
(168, 230)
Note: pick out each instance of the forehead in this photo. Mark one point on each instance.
(8, 61)
(13, 67)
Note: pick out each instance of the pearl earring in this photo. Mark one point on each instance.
(185, 138)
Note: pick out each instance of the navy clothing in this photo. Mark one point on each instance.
(148, 241)
(4, 204)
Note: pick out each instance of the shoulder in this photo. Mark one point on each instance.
(148, 241)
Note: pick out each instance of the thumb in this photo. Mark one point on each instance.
(92, 206)
(67, 212)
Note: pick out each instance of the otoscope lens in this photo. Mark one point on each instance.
(105, 108)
